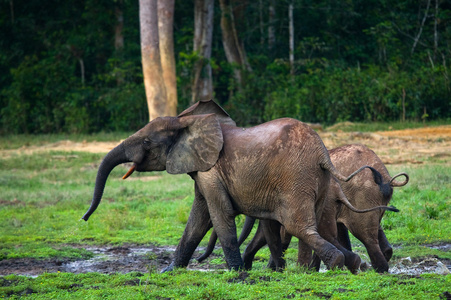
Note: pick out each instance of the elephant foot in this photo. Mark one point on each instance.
(388, 253)
(334, 259)
(381, 267)
(364, 266)
(353, 263)
(279, 266)
(168, 268)
(237, 267)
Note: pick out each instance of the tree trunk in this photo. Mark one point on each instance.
(118, 29)
(420, 31)
(202, 86)
(119, 37)
(271, 30)
(11, 8)
(291, 25)
(166, 37)
(233, 46)
(260, 14)
(151, 62)
(435, 29)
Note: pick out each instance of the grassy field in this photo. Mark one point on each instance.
(44, 194)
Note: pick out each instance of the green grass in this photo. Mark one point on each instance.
(15, 141)
(44, 195)
(383, 126)
(182, 284)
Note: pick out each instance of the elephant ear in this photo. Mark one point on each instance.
(197, 145)
(204, 107)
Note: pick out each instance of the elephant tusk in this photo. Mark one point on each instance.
(132, 169)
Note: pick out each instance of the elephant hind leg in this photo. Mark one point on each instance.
(271, 230)
(306, 231)
(305, 258)
(257, 242)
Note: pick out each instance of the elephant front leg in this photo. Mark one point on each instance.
(305, 229)
(197, 226)
(225, 228)
(378, 260)
(371, 243)
(384, 245)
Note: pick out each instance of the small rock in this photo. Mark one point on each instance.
(441, 269)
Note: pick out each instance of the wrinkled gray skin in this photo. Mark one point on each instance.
(368, 189)
(277, 170)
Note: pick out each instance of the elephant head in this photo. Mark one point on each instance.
(187, 143)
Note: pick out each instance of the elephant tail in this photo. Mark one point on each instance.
(395, 183)
(247, 228)
(346, 202)
(210, 246)
(342, 198)
(326, 164)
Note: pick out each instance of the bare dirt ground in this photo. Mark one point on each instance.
(394, 147)
(412, 146)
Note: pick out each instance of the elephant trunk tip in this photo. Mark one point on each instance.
(90, 211)
(85, 217)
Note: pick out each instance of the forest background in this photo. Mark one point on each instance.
(75, 66)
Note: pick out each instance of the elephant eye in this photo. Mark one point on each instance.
(146, 142)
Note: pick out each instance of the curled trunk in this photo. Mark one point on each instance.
(111, 160)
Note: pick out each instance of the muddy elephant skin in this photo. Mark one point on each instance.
(278, 170)
(367, 189)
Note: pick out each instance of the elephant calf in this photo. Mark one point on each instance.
(365, 190)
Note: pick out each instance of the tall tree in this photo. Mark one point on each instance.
(202, 86)
(271, 30)
(154, 47)
(166, 37)
(291, 33)
(233, 45)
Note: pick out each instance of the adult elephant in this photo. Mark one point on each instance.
(365, 190)
(278, 170)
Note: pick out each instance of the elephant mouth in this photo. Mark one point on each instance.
(130, 172)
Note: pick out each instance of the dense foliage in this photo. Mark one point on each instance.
(60, 70)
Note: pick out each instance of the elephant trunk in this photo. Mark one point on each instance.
(112, 159)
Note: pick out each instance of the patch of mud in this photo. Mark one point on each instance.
(107, 260)
(428, 265)
(138, 258)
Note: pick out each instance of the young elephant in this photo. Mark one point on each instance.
(278, 170)
(365, 190)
